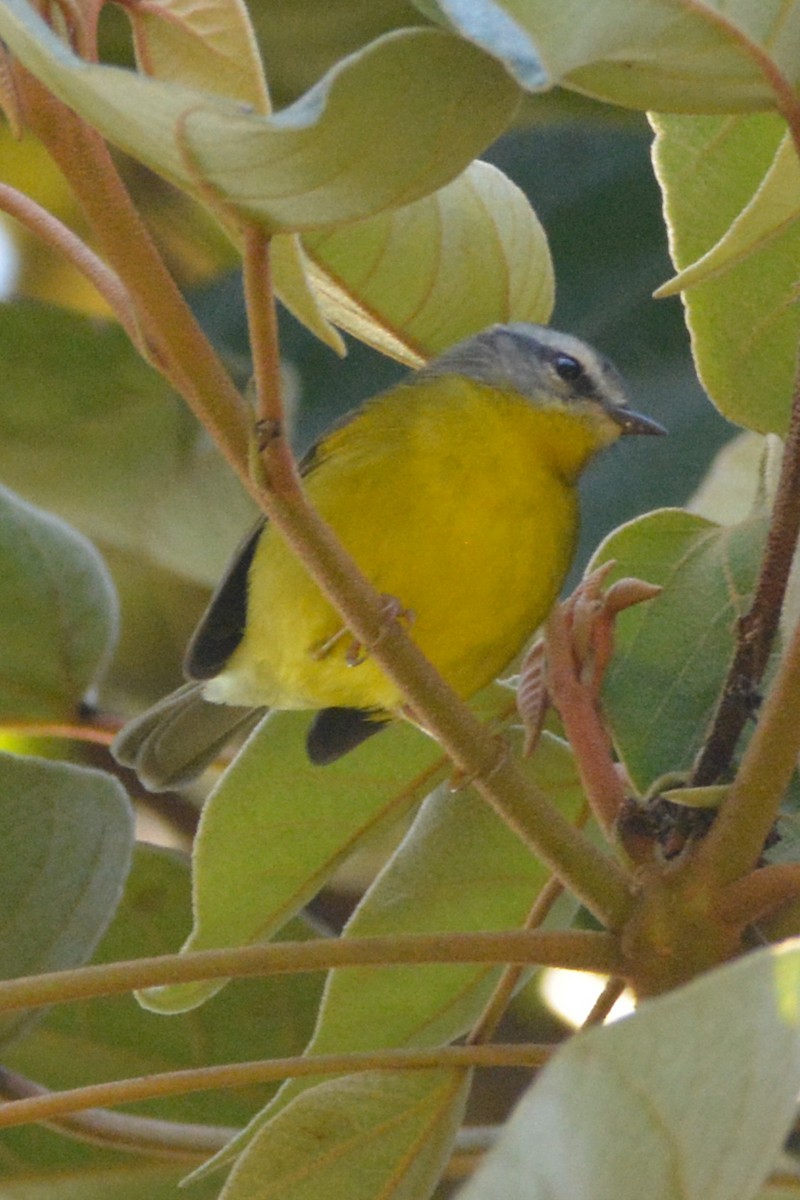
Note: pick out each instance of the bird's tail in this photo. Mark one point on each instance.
(173, 742)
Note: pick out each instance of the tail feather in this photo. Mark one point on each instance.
(173, 742)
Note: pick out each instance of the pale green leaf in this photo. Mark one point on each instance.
(367, 1137)
(210, 45)
(672, 653)
(773, 210)
(67, 836)
(732, 193)
(291, 278)
(655, 54)
(731, 487)
(480, 256)
(58, 612)
(204, 44)
(387, 125)
(276, 827)
(691, 1097)
(300, 39)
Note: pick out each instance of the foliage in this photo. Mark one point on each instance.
(362, 205)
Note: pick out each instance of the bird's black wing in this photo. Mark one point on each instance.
(222, 625)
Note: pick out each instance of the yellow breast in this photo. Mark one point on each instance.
(456, 500)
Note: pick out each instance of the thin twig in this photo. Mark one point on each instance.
(51, 729)
(170, 1140)
(45, 1106)
(498, 1002)
(64, 241)
(605, 1002)
(579, 949)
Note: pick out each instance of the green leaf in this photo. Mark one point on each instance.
(732, 198)
(459, 869)
(774, 209)
(113, 1038)
(58, 612)
(672, 653)
(477, 240)
(103, 440)
(67, 835)
(652, 55)
(387, 125)
(691, 1096)
(276, 827)
(367, 1137)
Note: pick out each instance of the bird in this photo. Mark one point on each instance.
(455, 492)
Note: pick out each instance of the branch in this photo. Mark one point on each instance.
(171, 1140)
(757, 629)
(47, 1105)
(188, 361)
(736, 839)
(581, 950)
(758, 894)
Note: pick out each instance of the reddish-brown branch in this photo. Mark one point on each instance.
(758, 627)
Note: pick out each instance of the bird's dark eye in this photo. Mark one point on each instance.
(568, 368)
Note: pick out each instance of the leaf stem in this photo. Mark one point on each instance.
(484, 1028)
(45, 1107)
(579, 949)
(38, 221)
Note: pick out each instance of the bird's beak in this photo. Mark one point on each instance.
(633, 422)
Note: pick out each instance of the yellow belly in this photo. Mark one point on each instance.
(457, 509)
